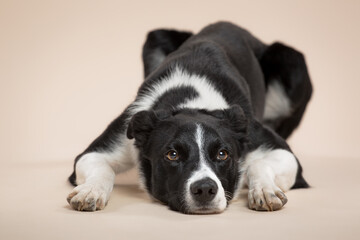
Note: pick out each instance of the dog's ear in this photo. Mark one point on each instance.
(237, 118)
(160, 43)
(142, 124)
(234, 117)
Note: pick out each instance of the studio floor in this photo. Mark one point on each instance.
(33, 206)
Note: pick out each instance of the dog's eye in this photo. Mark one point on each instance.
(172, 155)
(222, 155)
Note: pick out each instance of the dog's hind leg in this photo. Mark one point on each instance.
(95, 169)
(269, 169)
(160, 43)
(288, 88)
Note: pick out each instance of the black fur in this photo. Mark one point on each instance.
(240, 67)
(286, 65)
(161, 42)
(105, 141)
(158, 132)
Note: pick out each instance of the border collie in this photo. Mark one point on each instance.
(210, 118)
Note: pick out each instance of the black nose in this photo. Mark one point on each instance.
(204, 190)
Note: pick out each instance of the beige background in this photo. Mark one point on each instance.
(67, 68)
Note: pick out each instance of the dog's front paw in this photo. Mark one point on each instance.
(266, 199)
(88, 197)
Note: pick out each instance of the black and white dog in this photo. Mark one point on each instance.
(211, 118)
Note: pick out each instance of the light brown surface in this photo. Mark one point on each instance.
(33, 206)
(67, 68)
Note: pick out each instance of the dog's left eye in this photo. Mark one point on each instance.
(172, 155)
(222, 155)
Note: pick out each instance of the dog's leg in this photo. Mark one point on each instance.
(269, 170)
(160, 43)
(95, 169)
(269, 173)
(288, 88)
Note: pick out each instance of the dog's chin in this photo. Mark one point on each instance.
(202, 210)
(205, 210)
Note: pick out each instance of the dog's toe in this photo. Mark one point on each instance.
(87, 198)
(266, 199)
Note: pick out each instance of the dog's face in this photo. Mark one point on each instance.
(190, 159)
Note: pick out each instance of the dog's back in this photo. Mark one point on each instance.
(273, 77)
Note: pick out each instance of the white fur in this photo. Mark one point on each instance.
(95, 174)
(280, 165)
(268, 173)
(95, 177)
(277, 103)
(204, 171)
(209, 98)
(119, 159)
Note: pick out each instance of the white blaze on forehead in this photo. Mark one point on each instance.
(204, 171)
(199, 137)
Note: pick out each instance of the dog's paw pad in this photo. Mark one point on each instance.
(266, 199)
(87, 198)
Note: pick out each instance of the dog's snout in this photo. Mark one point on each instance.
(204, 190)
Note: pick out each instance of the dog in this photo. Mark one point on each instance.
(211, 118)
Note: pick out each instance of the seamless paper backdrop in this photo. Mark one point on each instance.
(67, 68)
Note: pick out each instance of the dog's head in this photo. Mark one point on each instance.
(189, 159)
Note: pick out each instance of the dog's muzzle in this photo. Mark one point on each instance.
(205, 196)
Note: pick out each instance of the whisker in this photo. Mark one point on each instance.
(228, 195)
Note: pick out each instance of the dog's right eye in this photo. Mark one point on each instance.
(222, 155)
(172, 155)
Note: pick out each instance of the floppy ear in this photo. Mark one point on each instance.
(237, 118)
(142, 124)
